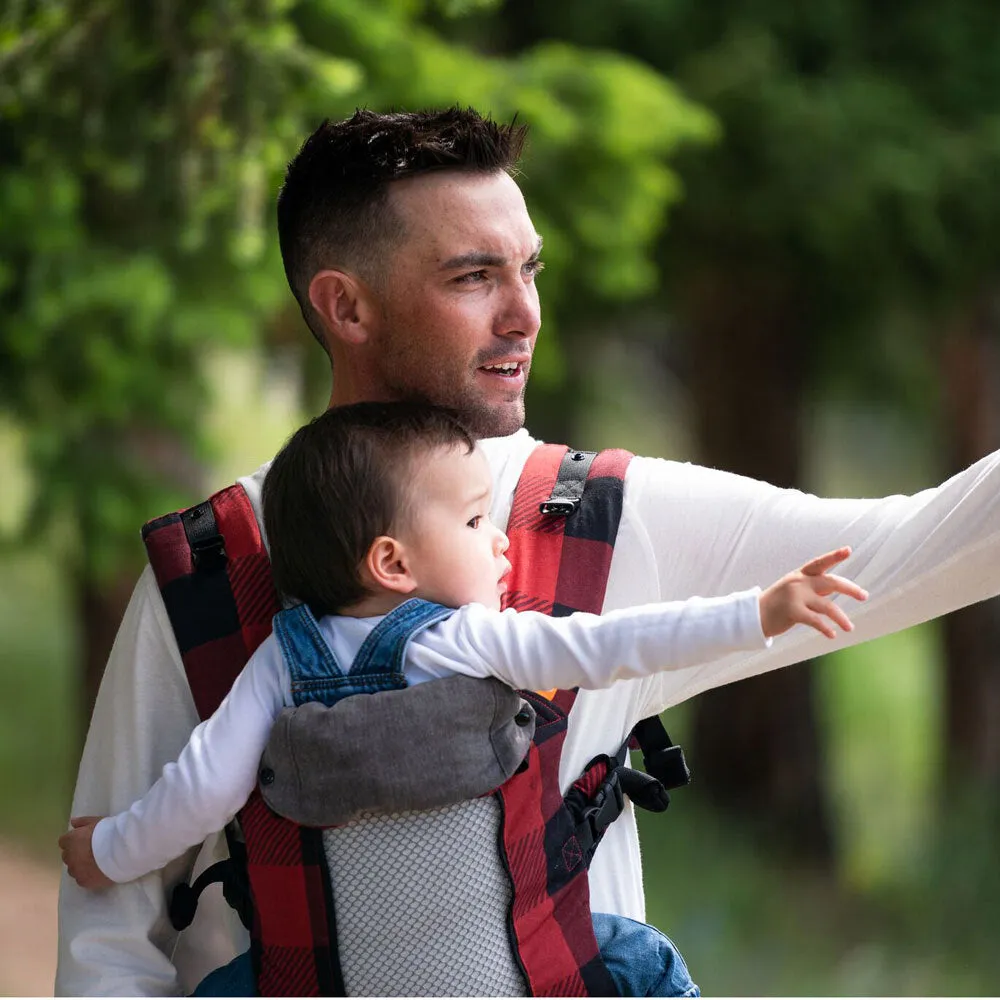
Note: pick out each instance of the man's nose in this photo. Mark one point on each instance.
(522, 315)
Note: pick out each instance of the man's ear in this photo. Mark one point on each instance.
(387, 564)
(344, 303)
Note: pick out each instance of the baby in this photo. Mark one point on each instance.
(374, 504)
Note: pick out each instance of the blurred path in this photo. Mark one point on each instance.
(28, 892)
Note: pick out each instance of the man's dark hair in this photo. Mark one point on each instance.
(333, 209)
(339, 483)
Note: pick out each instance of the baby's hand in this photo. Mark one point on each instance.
(798, 598)
(78, 853)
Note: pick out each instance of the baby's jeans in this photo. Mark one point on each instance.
(642, 961)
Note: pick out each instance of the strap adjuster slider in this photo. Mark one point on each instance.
(559, 506)
(209, 553)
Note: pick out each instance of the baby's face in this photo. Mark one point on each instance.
(456, 552)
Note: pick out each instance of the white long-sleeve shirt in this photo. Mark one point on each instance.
(217, 769)
(685, 530)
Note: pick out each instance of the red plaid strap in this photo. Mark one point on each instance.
(219, 616)
(550, 912)
(220, 599)
(293, 936)
(560, 565)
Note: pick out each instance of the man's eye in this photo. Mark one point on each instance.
(474, 522)
(533, 267)
(472, 278)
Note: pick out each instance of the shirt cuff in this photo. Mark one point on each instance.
(751, 627)
(100, 845)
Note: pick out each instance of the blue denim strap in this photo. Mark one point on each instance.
(315, 673)
(317, 676)
(381, 654)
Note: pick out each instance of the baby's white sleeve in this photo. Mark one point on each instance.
(210, 781)
(533, 651)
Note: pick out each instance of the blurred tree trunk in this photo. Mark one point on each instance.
(972, 635)
(756, 750)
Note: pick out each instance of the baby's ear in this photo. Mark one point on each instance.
(387, 566)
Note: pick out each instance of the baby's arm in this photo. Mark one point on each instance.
(529, 650)
(195, 796)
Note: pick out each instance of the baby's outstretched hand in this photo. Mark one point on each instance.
(799, 598)
(78, 853)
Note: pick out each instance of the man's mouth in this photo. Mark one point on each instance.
(505, 369)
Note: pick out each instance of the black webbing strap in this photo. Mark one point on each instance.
(593, 817)
(661, 757)
(208, 547)
(231, 872)
(570, 480)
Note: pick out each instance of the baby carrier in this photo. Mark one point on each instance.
(406, 902)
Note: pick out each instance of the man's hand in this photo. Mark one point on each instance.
(798, 598)
(78, 853)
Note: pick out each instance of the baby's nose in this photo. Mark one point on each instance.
(502, 543)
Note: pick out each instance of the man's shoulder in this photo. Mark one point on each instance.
(506, 456)
(501, 450)
(253, 484)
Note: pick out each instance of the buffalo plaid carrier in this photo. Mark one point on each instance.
(517, 859)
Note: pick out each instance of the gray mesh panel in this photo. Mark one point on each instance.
(421, 902)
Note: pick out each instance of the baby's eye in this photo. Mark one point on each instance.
(474, 521)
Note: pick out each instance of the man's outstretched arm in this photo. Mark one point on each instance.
(712, 532)
(119, 942)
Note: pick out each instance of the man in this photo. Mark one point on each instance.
(410, 250)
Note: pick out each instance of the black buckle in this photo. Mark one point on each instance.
(607, 805)
(559, 507)
(209, 554)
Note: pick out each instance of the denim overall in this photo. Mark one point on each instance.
(641, 959)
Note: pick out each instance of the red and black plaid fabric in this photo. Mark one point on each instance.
(219, 618)
(559, 565)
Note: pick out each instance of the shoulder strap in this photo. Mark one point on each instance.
(563, 525)
(384, 650)
(378, 666)
(213, 572)
(215, 577)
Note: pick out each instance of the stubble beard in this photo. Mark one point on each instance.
(440, 388)
(484, 420)
(410, 378)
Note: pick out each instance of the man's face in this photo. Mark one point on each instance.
(460, 309)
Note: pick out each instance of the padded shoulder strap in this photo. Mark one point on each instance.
(563, 525)
(213, 572)
(562, 529)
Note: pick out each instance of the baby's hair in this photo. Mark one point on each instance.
(339, 483)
